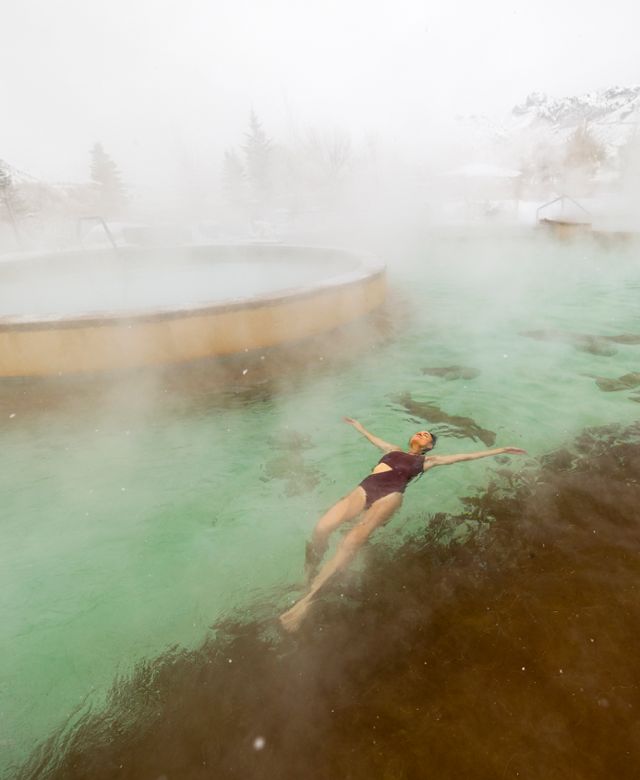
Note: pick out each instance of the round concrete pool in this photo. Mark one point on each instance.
(87, 312)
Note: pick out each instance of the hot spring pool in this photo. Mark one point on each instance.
(101, 312)
(133, 524)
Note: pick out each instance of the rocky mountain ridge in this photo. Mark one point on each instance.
(611, 106)
(549, 137)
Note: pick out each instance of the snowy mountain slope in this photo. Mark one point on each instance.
(612, 116)
(613, 106)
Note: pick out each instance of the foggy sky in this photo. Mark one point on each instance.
(163, 83)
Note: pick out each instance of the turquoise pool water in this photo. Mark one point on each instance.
(132, 522)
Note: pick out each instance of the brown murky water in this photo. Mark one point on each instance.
(509, 651)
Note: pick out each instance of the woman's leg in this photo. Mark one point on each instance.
(377, 514)
(346, 509)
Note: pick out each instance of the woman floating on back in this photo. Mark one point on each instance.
(379, 496)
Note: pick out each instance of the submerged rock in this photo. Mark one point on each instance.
(624, 338)
(452, 372)
(455, 425)
(624, 382)
(583, 342)
(291, 440)
(298, 477)
(559, 460)
(288, 464)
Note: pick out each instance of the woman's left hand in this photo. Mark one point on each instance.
(514, 451)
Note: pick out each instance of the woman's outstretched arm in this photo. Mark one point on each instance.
(446, 460)
(383, 445)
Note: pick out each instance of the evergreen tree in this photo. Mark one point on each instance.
(257, 150)
(234, 180)
(111, 197)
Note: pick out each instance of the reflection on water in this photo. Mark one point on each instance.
(508, 651)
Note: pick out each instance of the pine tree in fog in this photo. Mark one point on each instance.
(110, 192)
(257, 151)
(234, 180)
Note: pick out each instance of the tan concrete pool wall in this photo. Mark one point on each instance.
(88, 344)
(565, 230)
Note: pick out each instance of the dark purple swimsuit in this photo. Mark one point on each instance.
(404, 467)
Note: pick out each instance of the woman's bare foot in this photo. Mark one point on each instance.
(292, 618)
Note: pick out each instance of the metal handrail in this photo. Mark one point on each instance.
(104, 225)
(562, 198)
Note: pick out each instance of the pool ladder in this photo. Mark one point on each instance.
(107, 230)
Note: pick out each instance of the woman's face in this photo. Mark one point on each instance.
(421, 440)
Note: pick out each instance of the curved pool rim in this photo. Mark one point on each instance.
(91, 342)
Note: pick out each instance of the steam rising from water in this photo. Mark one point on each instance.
(223, 486)
(135, 512)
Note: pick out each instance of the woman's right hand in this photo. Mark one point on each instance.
(353, 422)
